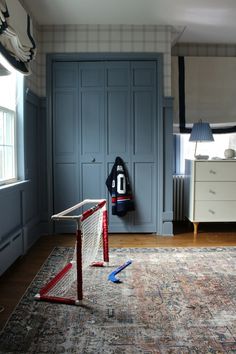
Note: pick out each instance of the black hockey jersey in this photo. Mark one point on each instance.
(119, 187)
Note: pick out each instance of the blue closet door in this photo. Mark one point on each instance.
(65, 140)
(102, 110)
(118, 129)
(131, 134)
(144, 145)
(91, 130)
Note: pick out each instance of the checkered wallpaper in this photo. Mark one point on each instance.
(204, 50)
(113, 38)
(99, 38)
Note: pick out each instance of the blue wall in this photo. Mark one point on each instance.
(23, 205)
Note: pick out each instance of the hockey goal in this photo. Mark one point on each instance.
(91, 234)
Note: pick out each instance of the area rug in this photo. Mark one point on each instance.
(170, 300)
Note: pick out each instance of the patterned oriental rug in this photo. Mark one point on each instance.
(170, 301)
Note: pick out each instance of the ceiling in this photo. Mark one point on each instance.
(197, 21)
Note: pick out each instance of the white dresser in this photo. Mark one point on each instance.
(210, 191)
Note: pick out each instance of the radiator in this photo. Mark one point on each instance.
(178, 197)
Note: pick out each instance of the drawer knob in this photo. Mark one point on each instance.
(211, 211)
(212, 172)
(211, 191)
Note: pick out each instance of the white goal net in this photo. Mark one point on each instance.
(91, 234)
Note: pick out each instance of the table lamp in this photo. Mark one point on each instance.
(201, 131)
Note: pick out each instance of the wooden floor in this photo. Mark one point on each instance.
(15, 280)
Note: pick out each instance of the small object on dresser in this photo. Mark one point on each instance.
(201, 157)
(229, 153)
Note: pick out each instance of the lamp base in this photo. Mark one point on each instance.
(201, 157)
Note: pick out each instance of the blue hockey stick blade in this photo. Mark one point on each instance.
(112, 275)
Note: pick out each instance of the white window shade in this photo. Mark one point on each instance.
(204, 88)
(16, 37)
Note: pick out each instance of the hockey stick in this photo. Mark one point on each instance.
(112, 275)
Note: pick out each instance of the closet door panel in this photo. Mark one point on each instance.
(91, 130)
(65, 140)
(91, 75)
(92, 135)
(144, 150)
(65, 126)
(143, 74)
(64, 75)
(117, 113)
(143, 123)
(64, 183)
(145, 199)
(92, 180)
(117, 129)
(118, 74)
(118, 110)
(65, 195)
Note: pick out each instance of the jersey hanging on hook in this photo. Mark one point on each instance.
(119, 187)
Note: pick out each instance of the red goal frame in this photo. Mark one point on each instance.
(79, 219)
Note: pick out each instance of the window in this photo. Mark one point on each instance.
(8, 94)
(7, 145)
(212, 149)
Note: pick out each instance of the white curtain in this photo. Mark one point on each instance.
(204, 88)
(16, 37)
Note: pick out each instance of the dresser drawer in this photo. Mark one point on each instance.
(215, 211)
(215, 171)
(215, 191)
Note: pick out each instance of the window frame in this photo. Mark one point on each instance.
(13, 179)
(14, 107)
(180, 153)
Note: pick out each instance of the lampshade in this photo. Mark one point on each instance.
(201, 132)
